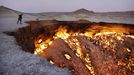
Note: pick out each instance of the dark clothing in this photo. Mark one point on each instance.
(20, 16)
(19, 19)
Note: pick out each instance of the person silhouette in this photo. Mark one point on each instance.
(20, 18)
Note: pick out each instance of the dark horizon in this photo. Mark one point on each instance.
(37, 6)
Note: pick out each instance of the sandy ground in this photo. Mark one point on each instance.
(94, 17)
(14, 61)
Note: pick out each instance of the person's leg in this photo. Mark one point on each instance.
(17, 21)
(20, 21)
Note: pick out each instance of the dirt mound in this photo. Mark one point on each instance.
(82, 10)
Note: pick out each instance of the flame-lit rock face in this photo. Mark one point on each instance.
(86, 48)
(60, 54)
(113, 58)
(93, 49)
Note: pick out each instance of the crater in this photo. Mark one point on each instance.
(84, 47)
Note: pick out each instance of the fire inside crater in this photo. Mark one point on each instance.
(86, 48)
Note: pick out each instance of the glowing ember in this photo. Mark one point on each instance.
(51, 62)
(40, 40)
(67, 56)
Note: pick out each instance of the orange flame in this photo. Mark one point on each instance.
(96, 30)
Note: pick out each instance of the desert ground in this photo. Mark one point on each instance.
(15, 61)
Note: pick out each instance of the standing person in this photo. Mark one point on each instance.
(20, 18)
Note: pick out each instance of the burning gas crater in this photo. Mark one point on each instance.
(85, 48)
(98, 50)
